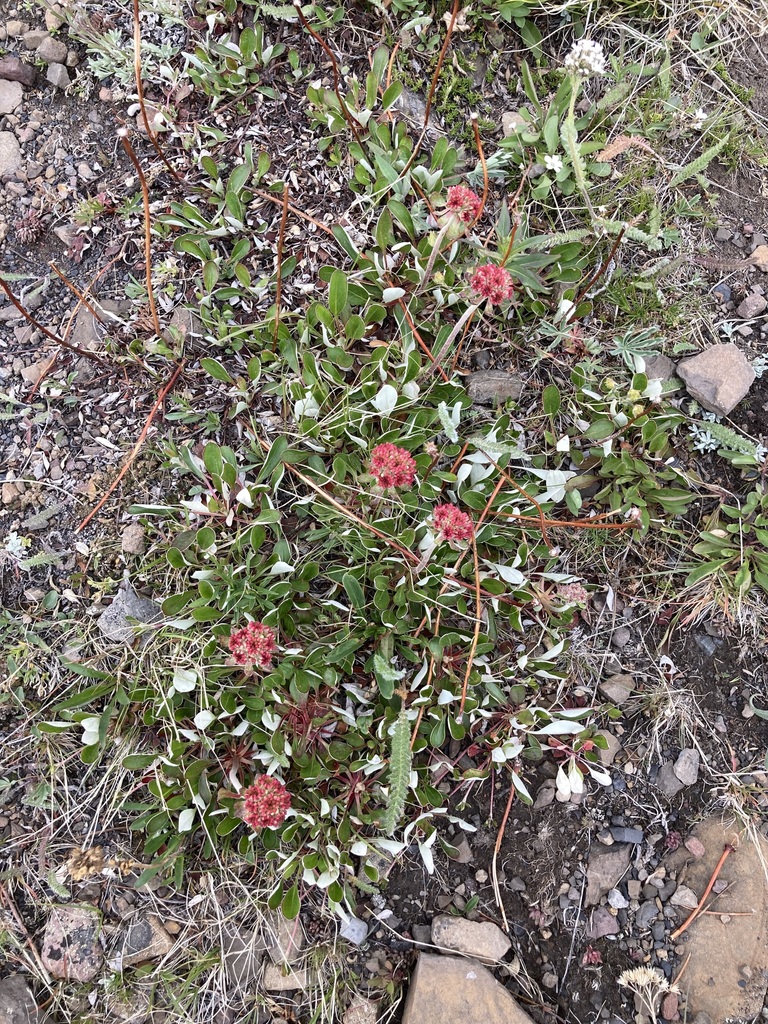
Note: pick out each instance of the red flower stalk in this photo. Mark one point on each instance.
(265, 803)
(253, 644)
(392, 466)
(452, 524)
(493, 283)
(464, 203)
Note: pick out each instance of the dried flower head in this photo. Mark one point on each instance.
(452, 524)
(392, 466)
(493, 283)
(648, 985)
(265, 803)
(573, 593)
(463, 203)
(586, 58)
(253, 645)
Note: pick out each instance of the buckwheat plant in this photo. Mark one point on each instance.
(265, 803)
(648, 986)
(392, 466)
(253, 645)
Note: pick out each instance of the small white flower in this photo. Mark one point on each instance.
(553, 163)
(699, 118)
(586, 58)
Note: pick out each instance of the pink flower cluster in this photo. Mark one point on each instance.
(265, 803)
(573, 593)
(392, 466)
(452, 524)
(493, 283)
(464, 203)
(253, 644)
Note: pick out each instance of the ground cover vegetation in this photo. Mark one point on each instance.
(372, 575)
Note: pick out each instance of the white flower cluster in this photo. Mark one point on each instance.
(586, 58)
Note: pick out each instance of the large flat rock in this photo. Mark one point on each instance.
(456, 990)
(727, 973)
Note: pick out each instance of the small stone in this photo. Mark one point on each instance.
(360, 1011)
(73, 59)
(454, 990)
(58, 76)
(752, 306)
(54, 17)
(669, 1005)
(114, 621)
(17, 1004)
(634, 887)
(105, 94)
(646, 915)
(544, 795)
(463, 851)
(617, 900)
(277, 980)
(16, 28)
(660, 368)
(684, 897)
(71, 949)
(32, 373)
(607, 756)
(602, 923)
(617, 689)
(723, 234)
(606, 866)
(145, 939)
(12, 69)
(549, 979)
(132, 540)
(481, 876)
(627, 835)
(621, 637)
(241, 955)
(11, 94)
(285, 939)
(51, 51)
(717, 378)
(34, 38)
(482, 939)
(686, 766)
(490, 387)
(667, 781)
(354, 930)
(511, 121)
(10, 154)
(722, 292)
(695, 847)
(84, 172)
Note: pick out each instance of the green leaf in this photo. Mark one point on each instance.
(214, 463)
(291, 904)
(551, 400)
(216, 370)
(337, 292)
(353, 590)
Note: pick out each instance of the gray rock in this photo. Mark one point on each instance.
(422, 935)
(722, 292)
(684, 897)
(602, 923)
(17, 1004)
(51, 51)
(58, 76)
(241, 955)
(617, 689)
(511, 121)
(132, 540)
(482, 939)
(617, 900)
(723, 234)
(621, 637)
(114, 621)
(686, 767)
(10, 154)
(463, 850)
(607, 756)
(646, 915)
(667, 781)
(54, 17)
(545, 795)
(488, 387)
(660, 368)
(360, 1011)
(606, 866)
(454, 990)
(354, 930)
(16, 28)
(277, 979)
(11, 94)
(12, 69)
(145, 939)
(627, 835)
(718, 378)
(71, 949)
(752, 306)
(34, 38)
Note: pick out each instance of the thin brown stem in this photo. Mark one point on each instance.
(484, 165)
(140, 91)
(279, 288)
(78, 295)
(596, 277)
(728, 849)
(46, 332)
(135, 450)
(295, 211)
(123, 134)
(421, 343)
(335, 70)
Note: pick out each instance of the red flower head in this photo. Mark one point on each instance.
(265, 803)
(452, 524)
(253, 644)
(464, 203)
(493, 283)
(392, 466)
